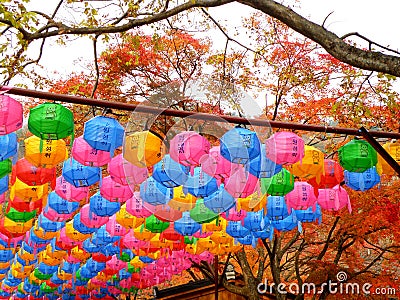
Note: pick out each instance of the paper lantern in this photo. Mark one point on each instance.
(49, 225)
(302, 196)
(125, 173)
(8, 144)
(254, 220)
(188, 147)
(254, 202)
(44, 235)
(309, 215)
(312, 164)
(233, 214)
(215, 165)
(114, 228)
(262, 167)
(220, 200)
(28, 192)
(236, 229)
(19, 216)
(393, 148)
(51, 121)
(102, 238)
(362, 181)
(11, 115)
(69, 192)
(277, 208)
(61, 205)
(74, 234)
(102, 207)
(45, 153)
(284, 148)
(114, 191)
(55, 216)
(5, 167)
(143, 148)
(155, 225)
(32, 175)
(278, 185)
(287, 224)
(241, 184)
(88, 156)
(3, 188)
(80, 175)
(135, 207)
(103, 133)
(201, 213)
(169, 172)
(200, 184)
(333, 175)
(334, 198)
(127, 220)
(181, 201)
(166, 213)
(155, 193)
(186, 225)
(15, 228)
(79, 226)
(240, 145)
(357, 156)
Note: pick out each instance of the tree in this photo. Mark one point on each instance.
(22, 28)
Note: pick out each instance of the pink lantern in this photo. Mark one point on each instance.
(90, 219)
(214, 164)
(284, 148)
(115, 264)
(114, 228)
(130, 242)
(125, 173)
(2, 198)
(11, 115)
(114, 191)
(234, 215)
(188, 147)
(302, 196)
(88, 156)
(64, 242)
(135, 206)
(166, 213)
(241, 184)
(69, 192)
(332, 176)
(334, 198)
(52, 215)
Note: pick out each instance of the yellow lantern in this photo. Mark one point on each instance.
(382, 167)
(191, 248)
(17, 227)
(45, 153)
(64, 275)
(216, 225)
(2, 276)
(205, 244)
(154, 255)
(137, 263)
(312, 165)
(103, 276)
(254, 202)
(53, 253)
(74, 234)
(48, 260)
(156, 242)
(143, 149)
(28, 193)
(26, 256)
(221, 237)
(4, 265)
(34, 279)
(80, 254)
(143, 234)
(180, 201)
(42, 234)
(127, 220)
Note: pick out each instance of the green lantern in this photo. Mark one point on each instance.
(155, 225)
(201, 213)
(20, 216)
(46, 289)
(190, 240)
(278, 185)
(41, 276)
(5, 167)
(357, 156)
(132, 269)
(51, 121)
(79, 277)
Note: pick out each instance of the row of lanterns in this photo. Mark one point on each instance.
(156, 210)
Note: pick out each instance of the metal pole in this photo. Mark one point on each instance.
(216, 281)
(191, 114)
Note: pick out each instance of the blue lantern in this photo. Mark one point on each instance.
(79, 226)
(4, 184)
(6, 255)
(236, 229)
(88, 246)
(49, 225)
(287, 224)
(247, 240)
(220, 200)
(254, 220)
(61, 205)
(56, 280)
(102, 207)
(46, 269)
(170, 173)
(146, 259)
(362, 181)
(124, 274)
(240, 145)
(266, 233)
(80, 175)
(276, 208)
(262, 166)
(186, 225)
(309, 215)
(155, 193)
(102, 238)
(200, 184)
(69, 268)
(103, 133)
(8, 145)
(110, 250)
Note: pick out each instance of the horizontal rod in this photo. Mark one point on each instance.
(186, 114)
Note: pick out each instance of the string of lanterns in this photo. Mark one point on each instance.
(71, 231)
